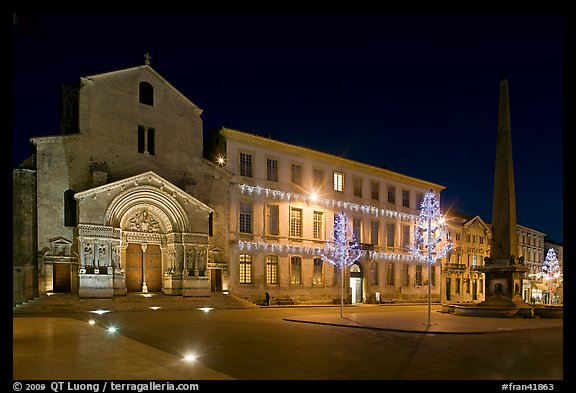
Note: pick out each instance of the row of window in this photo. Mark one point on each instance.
(272, 225)
(246, 272)
(533, 240)
(318, 179)
(470, 285)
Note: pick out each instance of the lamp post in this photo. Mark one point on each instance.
(342, 250)
(430, 231)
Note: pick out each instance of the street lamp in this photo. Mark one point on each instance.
(430, 231)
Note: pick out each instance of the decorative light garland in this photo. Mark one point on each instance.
(317, 251)
(327, 202)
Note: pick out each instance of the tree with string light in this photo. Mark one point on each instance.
(551, 272)
(429, 233)
(341, 250)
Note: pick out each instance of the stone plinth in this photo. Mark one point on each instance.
(119, 284)
(549, 311)
(96, 286)
(504, 284)
(196, 286)
(477, 311)
(173, 285)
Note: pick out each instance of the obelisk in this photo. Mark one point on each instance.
(504, 270)
(504, 243)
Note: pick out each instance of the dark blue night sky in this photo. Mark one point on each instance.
(416, 93)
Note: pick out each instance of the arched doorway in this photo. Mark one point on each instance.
(356, 283)
(143, 268)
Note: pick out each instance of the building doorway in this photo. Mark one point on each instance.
(448, 285)
(61, 277)
(356, 283)
(143, 265)
(215, 280)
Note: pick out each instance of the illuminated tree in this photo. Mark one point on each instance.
(430, 232)
(551, 272)
(342, 250)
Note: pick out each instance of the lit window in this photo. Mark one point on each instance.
(245, 269)
(272, 269)
(338, 181)
(295, 222)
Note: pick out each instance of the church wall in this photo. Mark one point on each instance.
(24, 255)
(110, 114)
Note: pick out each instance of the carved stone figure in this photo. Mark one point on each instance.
(102, 255)
(88, 255)
(144, 222)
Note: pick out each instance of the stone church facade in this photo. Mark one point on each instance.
(123, 199)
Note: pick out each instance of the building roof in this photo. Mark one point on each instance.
(248, 137)
(149, 69)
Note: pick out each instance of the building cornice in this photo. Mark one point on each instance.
(249, 138)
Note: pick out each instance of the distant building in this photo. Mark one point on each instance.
(462, 282)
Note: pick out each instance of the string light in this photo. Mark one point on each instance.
(252, 246)
(246, 189)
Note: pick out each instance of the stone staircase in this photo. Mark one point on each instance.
(62, 303)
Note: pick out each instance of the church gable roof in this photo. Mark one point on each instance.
(144, 178)
(476, 222)
(143, 69)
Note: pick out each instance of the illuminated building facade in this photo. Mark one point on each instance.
(283, 199)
